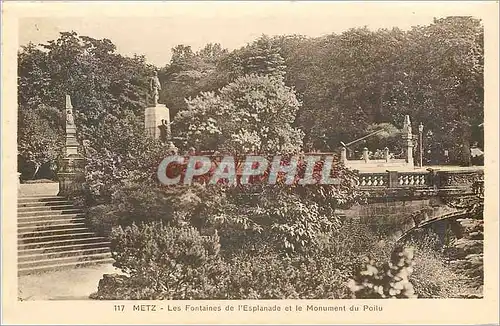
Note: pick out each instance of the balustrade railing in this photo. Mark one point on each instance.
(454, 180)
(374, 180)
(409, 179)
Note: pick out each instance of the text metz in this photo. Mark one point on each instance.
(144, 307)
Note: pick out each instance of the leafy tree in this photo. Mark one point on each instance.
(190, 73)
(252, 114)
(39, 143)
(108, 92)
(447, 80)
(261, 57)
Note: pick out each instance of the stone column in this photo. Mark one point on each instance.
(343, 155)
(408, 138)
(393, 179)
(386, 154)
(71, 172)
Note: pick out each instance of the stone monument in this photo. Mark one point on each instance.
(71, 176)
(408, 137)
(157, 116)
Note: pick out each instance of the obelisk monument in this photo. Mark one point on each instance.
(71, 176)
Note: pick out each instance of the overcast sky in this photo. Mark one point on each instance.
(233, 25)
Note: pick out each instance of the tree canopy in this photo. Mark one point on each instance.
(333, 88)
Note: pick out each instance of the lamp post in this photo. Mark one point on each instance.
(420, 131)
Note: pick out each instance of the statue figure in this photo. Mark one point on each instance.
(407, 125)
(70, 119)
(164, 130)
(155, 87)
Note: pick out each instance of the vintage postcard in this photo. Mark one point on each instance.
(250, 162)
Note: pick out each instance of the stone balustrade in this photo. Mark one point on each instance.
(465, 180)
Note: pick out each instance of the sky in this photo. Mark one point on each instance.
(156, 30)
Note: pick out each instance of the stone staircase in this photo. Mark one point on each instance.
(52, 235)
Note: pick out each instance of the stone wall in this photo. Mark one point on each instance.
(395, 217)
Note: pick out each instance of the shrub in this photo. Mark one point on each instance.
(390, 280)
(433, 278)
(273, 276)
(101, 219)
(165, 262)
(144, 203)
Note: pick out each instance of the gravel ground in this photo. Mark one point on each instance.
(69, 284)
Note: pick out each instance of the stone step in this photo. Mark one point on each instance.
(67, 217)
(58, 248)
(63, 254)
(48, 212)
(42, 204)
(40, 199)
(63, 260)
(49, 238)
(61, 265)
(62, 242)
(54, 227)
(45, 208)
(38, 224)
(69, 230)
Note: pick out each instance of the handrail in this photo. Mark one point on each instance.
(359, 139)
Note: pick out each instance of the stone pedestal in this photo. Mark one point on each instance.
(157, 122)
(343, 155)
(71, 176)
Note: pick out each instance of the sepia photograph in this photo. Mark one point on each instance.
(264, 155)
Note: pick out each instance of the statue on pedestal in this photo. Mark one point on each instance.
(155, 87)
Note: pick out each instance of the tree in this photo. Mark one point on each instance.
(190, 73)
(447, 80)
(261, 57)
(105, 87)
(38, 142)
(252, 114)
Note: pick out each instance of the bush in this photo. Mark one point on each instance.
(165, 262)
(101, 219)
(433, 278)
(273, 276)
(143, 203)
(389, 280)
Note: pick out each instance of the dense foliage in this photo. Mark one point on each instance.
(352, 80)
(108, 92)
(253, 114)
(390, 280)
(276, 95)
(346, 82)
